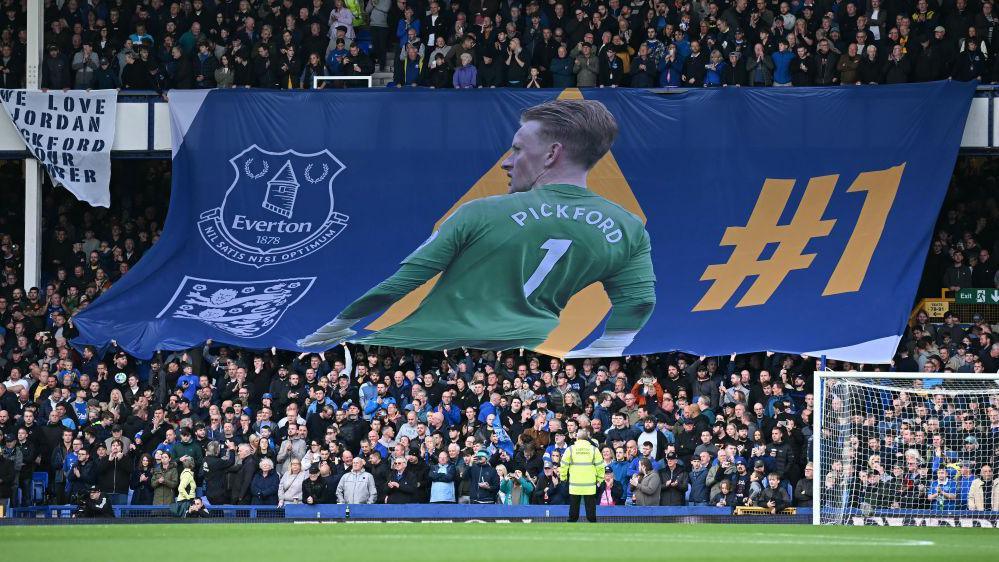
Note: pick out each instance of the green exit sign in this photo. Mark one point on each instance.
(977, 296)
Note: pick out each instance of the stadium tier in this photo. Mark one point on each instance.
(513, 304)
(288, 44)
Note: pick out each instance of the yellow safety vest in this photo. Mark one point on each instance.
(583, 465)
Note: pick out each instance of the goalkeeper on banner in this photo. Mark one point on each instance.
(510, 263)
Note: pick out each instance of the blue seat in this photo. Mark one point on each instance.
(39, 483)
(363, 40)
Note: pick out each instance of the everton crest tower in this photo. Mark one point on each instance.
(282, 190)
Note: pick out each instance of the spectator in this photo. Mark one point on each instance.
(774, 495)
(611, 74)
(698, 494)
(942, 492)
(610, 491)
(734, 73)
(402, 485)
(674, 482)
(715, 69)
(315, 488)
(561, 69)
(646, 484)
(215, 469)
(803, 488)
(341, 18)
(245, 472)
(141, 481)
(671, 68)
(643, 69)
(848, 65)
(897, 68)
(55, 70)
(357, 63)
(515, 488)
(984, 494)
(466, 75)
(438, 73)
(204, 67)
(782, 60)
(85, 65)
(442, 479)
(971, 63)
(482, 480)
(551, 489)
(265, 484)
(186, 488)
(225, 74)
(290, 486)
(958, 275)
(164, 479)
(826, 65)
(408, 72)
(378, 11)
(869, 71)
(11, 71)
(586, 67)
(725, 496)
(722, 470)
(695, 66)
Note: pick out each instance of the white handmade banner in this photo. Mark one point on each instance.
(70, 133)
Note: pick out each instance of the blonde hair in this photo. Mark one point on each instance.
(585, 128)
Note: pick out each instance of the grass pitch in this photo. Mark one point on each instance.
(416, 542)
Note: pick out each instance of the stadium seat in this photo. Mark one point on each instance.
(39, 483)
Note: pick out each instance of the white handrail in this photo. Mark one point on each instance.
(316, 79)
(894, 375)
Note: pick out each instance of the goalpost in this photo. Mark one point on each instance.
(905, 449)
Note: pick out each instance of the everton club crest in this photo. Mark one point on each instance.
(278, 209)
(246, 309)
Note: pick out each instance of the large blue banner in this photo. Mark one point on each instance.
(721, 220)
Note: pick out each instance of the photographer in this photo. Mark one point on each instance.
(197, 509)
(93, 504)
(515, 488)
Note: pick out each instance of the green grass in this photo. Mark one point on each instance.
(516, 542)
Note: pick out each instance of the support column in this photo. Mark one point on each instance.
(32, 171)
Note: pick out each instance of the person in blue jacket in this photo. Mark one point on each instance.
(264, 486)
(943, 492)
(188, 382)
(782, 64)
(698, 486)
(646, 449)
(714, 70)
(451, 412)
(442, 477)
(671, 68)
(381, 401)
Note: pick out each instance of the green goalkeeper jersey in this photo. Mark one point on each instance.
(510, 263)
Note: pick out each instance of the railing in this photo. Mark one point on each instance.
(414, 513)
(317, 79)
(144, 511)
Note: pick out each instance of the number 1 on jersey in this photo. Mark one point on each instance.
(556, 249)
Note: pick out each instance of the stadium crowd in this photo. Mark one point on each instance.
(379, 425)
(163, 44)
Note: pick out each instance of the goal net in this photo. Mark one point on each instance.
(906, 449)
